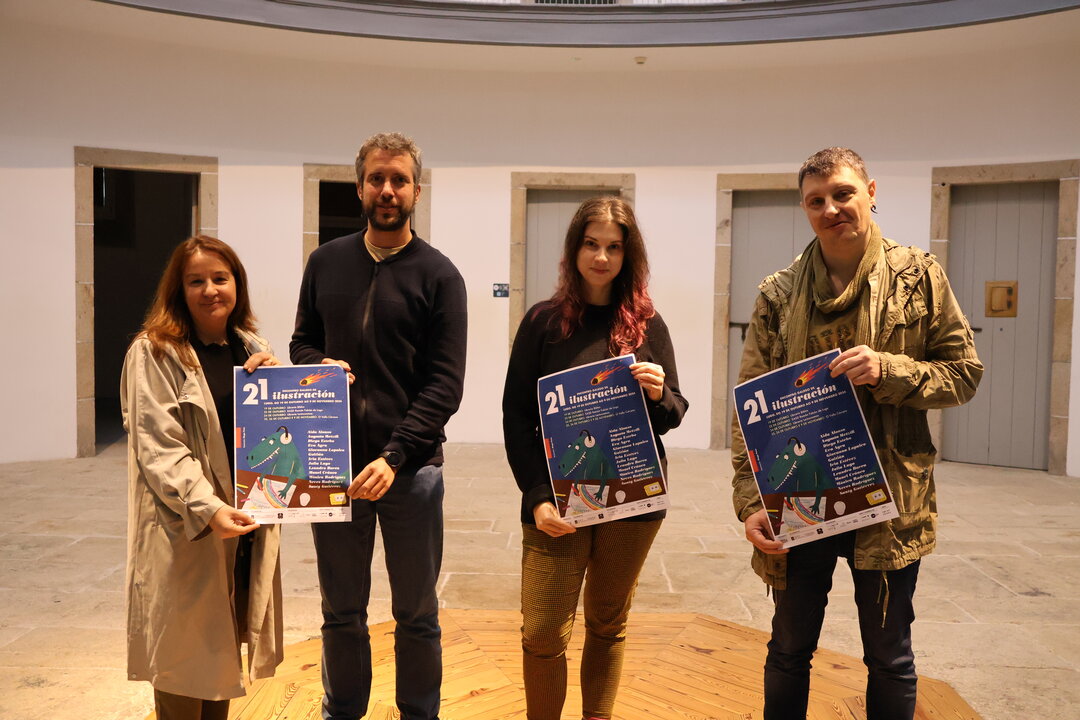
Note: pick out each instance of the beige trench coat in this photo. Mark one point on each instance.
(928, 361)
(182, 634)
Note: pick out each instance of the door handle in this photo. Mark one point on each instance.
(742, 328)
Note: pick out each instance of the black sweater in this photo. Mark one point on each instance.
(537, 353)
(401, 326)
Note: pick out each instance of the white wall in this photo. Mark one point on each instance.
(906, 103)
(37, 312)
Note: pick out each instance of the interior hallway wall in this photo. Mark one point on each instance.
(263, 102)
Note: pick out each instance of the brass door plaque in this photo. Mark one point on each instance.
(1001, 298)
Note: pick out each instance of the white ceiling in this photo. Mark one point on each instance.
(103, 19)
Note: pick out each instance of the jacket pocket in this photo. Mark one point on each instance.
(909, 335)
(911, 482)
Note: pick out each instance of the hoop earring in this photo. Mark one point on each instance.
(873, 207)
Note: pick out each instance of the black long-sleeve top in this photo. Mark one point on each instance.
(401, 325)
(537, 353)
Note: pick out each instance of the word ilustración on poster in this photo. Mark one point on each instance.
(292, 454)
(808, 445)
(598, 439)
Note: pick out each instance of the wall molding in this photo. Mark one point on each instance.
(205, 222)
(1065, 173)
(520, 184)
(726, 186)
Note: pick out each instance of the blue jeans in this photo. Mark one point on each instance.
(885, 625)
(411, 520)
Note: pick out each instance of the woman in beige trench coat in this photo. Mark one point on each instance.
(202, 577)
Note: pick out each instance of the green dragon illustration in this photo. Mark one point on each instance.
(584, 460)
(794, 462)
(279, 450)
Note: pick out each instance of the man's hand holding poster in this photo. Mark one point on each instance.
(292, 443)
(815, 464)
(599, 443)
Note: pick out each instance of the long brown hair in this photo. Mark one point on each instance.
(629, 289)
(168, 322)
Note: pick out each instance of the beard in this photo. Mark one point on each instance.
(373, 213)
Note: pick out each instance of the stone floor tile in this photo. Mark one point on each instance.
(32, 547)
(1063, 639)
(103, 522)
(1009, 692)
(987, 643)
(28, 608)
(677, 543)
(1009, 518)
(1025, 610)
(478, 552)
(689, 572)
(301, 581)
(959, 579)
(940, 610)
(89, 550)
(495, 592)
(10, 633)
(971, 548)
(303, 616)
(85, 693)
(1024, 577)
(730, 546)
(468, 525)
(505, 524)
(52, 574)
(675, 526)
(1062, 548)
(81, 647)
(113, 580)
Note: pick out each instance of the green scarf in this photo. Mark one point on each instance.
(812, 286)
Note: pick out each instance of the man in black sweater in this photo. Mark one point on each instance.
(391, 310)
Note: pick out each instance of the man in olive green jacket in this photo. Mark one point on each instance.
(907, 348)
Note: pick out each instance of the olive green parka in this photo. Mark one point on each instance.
(928, 361)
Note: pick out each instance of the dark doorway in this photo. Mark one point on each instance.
(139, 217)
(340, 212)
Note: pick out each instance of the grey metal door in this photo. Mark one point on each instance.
(548, 213)
(768, 229)
(1005, 233)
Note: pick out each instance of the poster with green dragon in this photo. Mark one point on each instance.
(292, 452)
(599, 443)
(806, 438)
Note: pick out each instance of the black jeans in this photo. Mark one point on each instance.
(885, 608)
(410, 517)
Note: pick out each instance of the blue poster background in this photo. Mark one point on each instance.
(816, 468)
(598, 439)
(291, 443)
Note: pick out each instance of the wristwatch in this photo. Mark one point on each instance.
(393, 458)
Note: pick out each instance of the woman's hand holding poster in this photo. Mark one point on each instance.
(599, 443)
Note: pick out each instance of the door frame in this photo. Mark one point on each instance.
(314, 173)
(726, 186)
(520, 184)
(1067, 174)
(205, 222)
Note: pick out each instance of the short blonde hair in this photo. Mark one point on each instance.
(393, 142)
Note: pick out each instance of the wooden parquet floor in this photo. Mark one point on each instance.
(677, 667)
